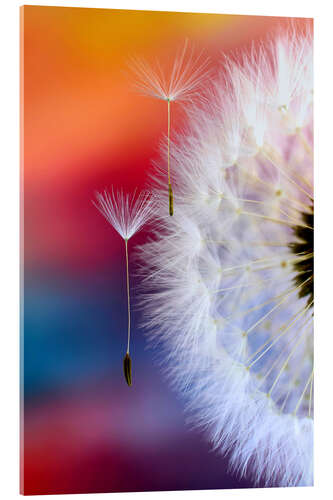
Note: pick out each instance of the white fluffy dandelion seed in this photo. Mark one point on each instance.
(185, 78)
(127, 214)
(230, 278)
(182, 83)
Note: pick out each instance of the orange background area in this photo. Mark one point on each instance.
(85, 127)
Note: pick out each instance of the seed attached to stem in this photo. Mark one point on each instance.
(187, 75)
(169, 178)
(128, 369)
(170, 200)
(127, 214)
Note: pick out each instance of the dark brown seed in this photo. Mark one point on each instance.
(128, 369)
(170, 200)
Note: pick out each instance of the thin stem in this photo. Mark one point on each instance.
(128, 300)
(290, 179)
(292, 222)
(260, 306)
(261, 202)
(289, 198)
(255, 244)
(308, 148)
(303, 393)
(169, 176)
(292, 352)
(169, 180)
(243, 285)
(284, 332)
(295, 377)
(260, 320)
(289, 166)
(278, 260)
(271, 365)
(310, 398)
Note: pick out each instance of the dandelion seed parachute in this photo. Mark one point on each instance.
(229, 281)
(188, 73)
(127, 214)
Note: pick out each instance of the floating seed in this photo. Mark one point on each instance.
(128, 369)
(170, 200)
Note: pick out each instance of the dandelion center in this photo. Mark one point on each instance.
(304, 246)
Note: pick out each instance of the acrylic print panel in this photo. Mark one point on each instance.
(167, 169)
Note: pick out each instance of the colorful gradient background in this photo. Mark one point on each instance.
(83, 129)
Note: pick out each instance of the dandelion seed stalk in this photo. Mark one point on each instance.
(128, 299)
(127, 359)
(127, 214)
(182, 84)
(169, 176)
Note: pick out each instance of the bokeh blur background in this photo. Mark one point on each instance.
(84, 129)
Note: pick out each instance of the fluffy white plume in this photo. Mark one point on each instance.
(187, 74)
(126, 213)
(230, 278)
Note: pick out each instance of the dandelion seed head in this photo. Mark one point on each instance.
(230, 278)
